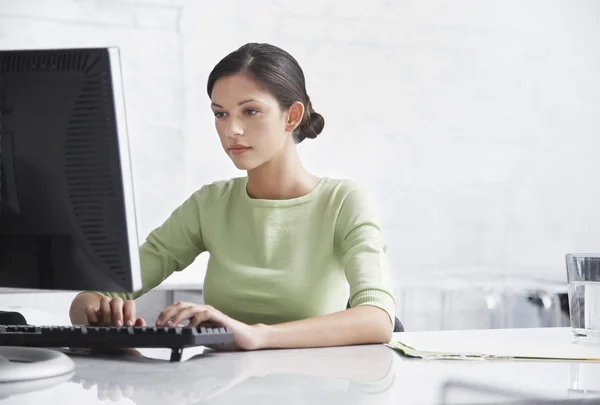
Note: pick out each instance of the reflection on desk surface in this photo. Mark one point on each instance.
(369, 374)
(9, 390)
(364, 375)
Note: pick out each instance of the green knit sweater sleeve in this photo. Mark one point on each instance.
(364, 253)
(171, 247)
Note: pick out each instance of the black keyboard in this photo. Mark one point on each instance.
(111, 337)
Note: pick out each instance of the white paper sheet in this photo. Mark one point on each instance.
(531, 343)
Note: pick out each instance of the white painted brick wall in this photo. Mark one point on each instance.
(475, 124)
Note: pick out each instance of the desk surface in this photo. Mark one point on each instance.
(369, 374)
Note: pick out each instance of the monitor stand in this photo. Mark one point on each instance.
(18, 364)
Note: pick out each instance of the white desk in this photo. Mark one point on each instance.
(370, 374)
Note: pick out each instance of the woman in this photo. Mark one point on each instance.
(288, 250)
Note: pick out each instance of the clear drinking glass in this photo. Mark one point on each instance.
(583, 278)
(584, 381)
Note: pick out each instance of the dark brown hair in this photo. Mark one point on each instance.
(277, 72)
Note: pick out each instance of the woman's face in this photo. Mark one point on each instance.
(251, 126)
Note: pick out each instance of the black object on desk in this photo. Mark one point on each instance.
(12, 318)
(111, 337)
(67, 209)
(64, 142)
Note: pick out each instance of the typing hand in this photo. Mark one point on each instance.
(246, 337)
(113, 312)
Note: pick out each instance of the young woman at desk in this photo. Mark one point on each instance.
(284, 244)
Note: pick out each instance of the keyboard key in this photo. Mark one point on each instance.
(175, 338)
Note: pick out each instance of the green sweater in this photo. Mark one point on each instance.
(273, 261)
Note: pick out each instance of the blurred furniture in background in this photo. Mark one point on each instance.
(481, 301)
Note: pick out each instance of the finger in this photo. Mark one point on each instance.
(90, 313)
(102, 394)
(170, 312)
(116, 307)
(200, 317)
(184, 313)
(129, 313)
(105, 315)
(87, 384)
(127, 391)
(212, 317)
(114, 392)
(140, 322)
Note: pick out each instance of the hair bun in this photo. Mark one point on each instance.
(311, 127)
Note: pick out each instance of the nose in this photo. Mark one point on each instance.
(234, 128)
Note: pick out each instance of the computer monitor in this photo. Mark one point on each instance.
(67, 213)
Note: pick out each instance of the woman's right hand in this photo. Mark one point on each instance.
(113, 312)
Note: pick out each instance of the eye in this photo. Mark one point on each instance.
(219, 114)
(251, 111)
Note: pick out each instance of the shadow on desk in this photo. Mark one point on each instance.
(348, 375)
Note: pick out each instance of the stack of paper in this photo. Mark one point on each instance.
(523, 344)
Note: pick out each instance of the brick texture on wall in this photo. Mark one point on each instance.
(474, 124)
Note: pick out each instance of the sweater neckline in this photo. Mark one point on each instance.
(259, 202)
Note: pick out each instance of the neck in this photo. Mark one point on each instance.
(281, 178)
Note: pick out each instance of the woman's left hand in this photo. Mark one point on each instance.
(246, 337)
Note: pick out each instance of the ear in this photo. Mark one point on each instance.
(294, 116)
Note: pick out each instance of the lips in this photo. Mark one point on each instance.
(238, 149)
